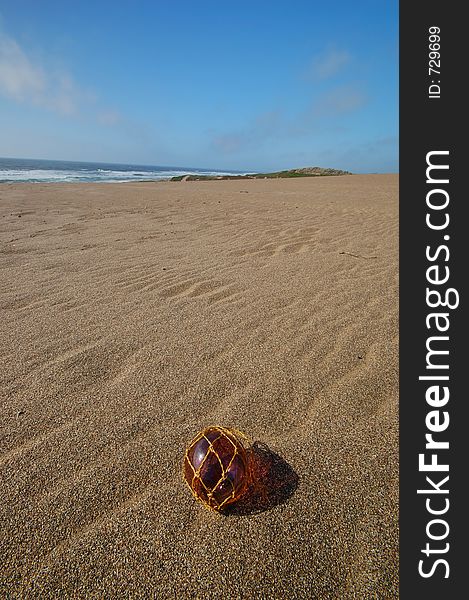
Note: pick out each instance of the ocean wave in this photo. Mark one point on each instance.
(95, 175)
(15, 170)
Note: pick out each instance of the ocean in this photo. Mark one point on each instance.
(55, 171)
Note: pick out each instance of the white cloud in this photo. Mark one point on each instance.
(325, 111)
(328, 64)
(230, 142)
(343, 99)
(265, 126)
(24, 80)
(109, 117)
(19, 78)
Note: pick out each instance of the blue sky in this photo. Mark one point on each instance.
(247, 85)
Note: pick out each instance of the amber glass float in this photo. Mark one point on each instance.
(216, 467)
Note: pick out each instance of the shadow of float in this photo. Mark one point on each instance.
(273, 482)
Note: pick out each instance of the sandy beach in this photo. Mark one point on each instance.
(134, 315)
